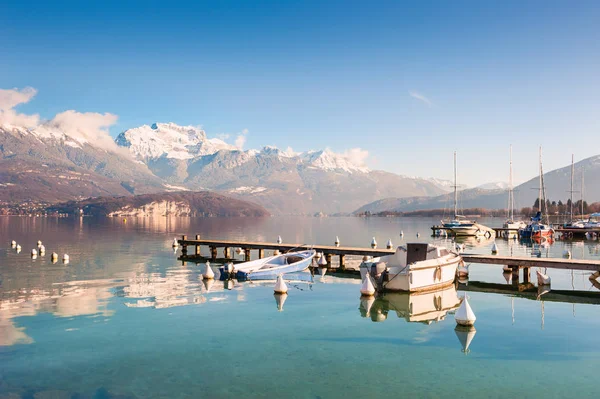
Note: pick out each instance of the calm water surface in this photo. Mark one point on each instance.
(125, 319)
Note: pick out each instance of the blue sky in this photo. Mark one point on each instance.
(408, 81)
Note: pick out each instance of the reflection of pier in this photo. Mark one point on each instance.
(530, 291)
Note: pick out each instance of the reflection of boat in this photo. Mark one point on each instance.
(245, 267)
(422, 307)
(280, 264)
(418, 267)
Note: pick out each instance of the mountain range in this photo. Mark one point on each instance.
(56, 161)
(557, 184)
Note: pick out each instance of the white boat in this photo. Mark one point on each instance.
(420, 307)
(416, 267)
(512, 224)
(275, 265)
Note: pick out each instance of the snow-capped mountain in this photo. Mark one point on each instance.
(282, 180)
(499, 185)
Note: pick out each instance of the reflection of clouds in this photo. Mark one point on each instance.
(11, 334)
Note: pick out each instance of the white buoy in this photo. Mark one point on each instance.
(543, 279)
(18, 248)
(13, 243)
(373, 243)
(175, 243)
(280, 286)
(279, 240)
(507, 269)
(208, 283)
(318, 255)
(464, 316)
(54, 255)
(366, 303)
(42, 250)
(34, 252)
(367, 287)
(208, 272)
(229, 267)
(418, 235)
(337, 241)
(322, 261)
(389, 244)
(322, 271)
(280, 300)
(567, 254)
(65, 258)
(39, 243)
(494, 249)
(401, 233)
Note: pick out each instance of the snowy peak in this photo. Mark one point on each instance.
(499, 185)
(169, 140)
(329, 160)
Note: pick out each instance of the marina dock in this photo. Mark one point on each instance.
(515, 262)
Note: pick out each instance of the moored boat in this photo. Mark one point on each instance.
(280, 264)
(416, 267)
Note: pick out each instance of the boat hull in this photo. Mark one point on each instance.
(476, 230)
(273, 272)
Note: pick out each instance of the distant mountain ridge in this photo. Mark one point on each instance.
(557, 184)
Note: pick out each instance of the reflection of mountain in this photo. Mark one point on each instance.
(424, 307)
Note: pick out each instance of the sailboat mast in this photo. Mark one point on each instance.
(582, 193)
(511, 195)
(540, 205)
(455, 190)
(572, 177)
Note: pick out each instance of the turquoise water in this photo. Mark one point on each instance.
(125, 319)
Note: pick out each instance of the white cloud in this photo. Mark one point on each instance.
(10, 98)
(89, 127)
(420, 97)
(357, 156)
(240, 140)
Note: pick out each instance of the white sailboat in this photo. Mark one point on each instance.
(459, 225)
(510, 223)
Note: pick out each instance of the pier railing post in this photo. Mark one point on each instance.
(261, 253)
(247, 254)
(183, 245)
(226, 253)
(342, 262)
(213, 253)
(328, 259)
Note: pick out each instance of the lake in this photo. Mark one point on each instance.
(125, 319)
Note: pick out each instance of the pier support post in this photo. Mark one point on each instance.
(526, 275)
(515, 276)
(226, 253)
(213, 253)
(328, 259)
(247, 254)
(342, 262)
(197, 250)
(184, 246)
(261, 253)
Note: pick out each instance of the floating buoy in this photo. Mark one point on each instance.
(42, 250)
(280, 300)
(507, 269)
(543, 279)
(229, 267)
(13, 243)
(367, 287)
(494, 249)
(465, 335)
(318, 255)
(418, 235)
(18, 248)
(65, 258)
(464, 316)
(373, 243)
(54, 255)
(401, 233)
(39, 243)
(208, 272)
(463, 280)
(280, 286)
(279, 240)
(322, 261)
(33, 256)
(389, 244)
(337, 241)
(34, 252)
(567, 254)
(175, 243)
(208, 283)
(322, 271)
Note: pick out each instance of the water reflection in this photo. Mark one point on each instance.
(465, 335)
(426, 307)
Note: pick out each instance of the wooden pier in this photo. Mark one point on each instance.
(515, 262)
